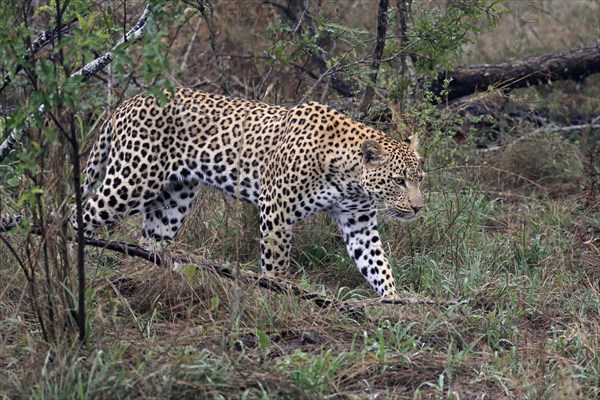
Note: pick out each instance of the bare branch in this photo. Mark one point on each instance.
(11, 140)
(206, 9)
(134, 34)
(44, 38)
(86, 72)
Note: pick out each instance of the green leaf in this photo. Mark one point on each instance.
(214, 302)
(29, 196)
(263, 339)
(82, 21)
(189, 271)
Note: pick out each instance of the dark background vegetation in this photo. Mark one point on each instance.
(510, 234)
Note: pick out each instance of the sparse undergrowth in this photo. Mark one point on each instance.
(528, 326)
(512, 233)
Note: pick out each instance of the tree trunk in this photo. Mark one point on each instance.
(407, 67)
(573, 64)
(382, 20)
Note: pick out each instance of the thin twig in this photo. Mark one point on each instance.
(188, 50)
(206, 9)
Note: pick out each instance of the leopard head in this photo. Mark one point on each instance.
(392, 176)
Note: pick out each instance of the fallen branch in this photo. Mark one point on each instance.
(354, 307)
(574, 64)
(86, 72)
(119, 247)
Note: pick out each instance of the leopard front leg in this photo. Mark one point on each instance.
(275, 240)
(358, 225)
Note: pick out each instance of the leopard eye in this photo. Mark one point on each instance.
(400, 181)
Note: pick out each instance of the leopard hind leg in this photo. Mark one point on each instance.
(114, 200)
(164, 216)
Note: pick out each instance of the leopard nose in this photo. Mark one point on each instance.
(416, 208)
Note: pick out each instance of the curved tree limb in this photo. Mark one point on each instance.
(134, 34)
(355, 307)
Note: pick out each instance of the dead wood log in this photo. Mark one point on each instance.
(574, 64)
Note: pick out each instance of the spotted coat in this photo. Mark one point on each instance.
(152, 157)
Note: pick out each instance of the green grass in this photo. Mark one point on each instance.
(503, 232)
(527, 328)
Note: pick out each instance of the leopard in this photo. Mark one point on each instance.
(157, 150)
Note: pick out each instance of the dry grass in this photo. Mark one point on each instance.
(536, 27)
(528, 329)
(546, 166)
(503, 231)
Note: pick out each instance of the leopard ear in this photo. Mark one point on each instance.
(413, 142)
(372, 153)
